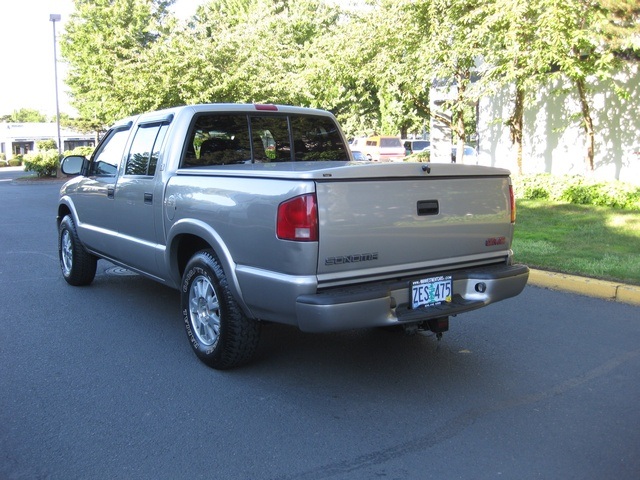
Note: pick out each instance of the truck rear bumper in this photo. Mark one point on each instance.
(389, 304)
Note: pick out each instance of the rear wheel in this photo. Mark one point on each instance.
(221, 335)
(78, 266)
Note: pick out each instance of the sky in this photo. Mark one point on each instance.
(27, 77)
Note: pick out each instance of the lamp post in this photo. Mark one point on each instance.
(54, 17)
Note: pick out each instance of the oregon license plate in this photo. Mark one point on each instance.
(430, 291)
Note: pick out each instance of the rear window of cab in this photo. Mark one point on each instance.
(234, 138)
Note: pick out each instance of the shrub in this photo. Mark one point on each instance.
(16, 161)
(45, 164)
(424, 156)
(44, 145)
(578, 190)
(579, 193)
(84, 151)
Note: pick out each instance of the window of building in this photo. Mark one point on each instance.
(73, 144)
(21, 148)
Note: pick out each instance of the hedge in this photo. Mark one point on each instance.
(578, 190)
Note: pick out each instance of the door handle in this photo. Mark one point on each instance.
(428, 207)
(148, 198)
(111, 191)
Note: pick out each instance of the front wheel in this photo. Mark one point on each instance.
(221, 335)
(78, 266)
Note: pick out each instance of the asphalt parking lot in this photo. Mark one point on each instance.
(100, 382)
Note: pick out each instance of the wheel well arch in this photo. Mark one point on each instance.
(185, 246)
(186, 238)
(63, 210)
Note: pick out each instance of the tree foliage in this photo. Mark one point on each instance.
(373, 66)
(107, 44)
(24, 115)
(249, 50)
(588, 38)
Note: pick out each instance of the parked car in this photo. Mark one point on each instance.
(469, 156)
(384, 149)
(416, 146)
(357, 144)
(358, 156)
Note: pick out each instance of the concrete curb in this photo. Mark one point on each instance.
(591, 287)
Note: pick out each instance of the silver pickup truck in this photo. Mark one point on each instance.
(258, 213)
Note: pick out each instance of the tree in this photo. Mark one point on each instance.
(49, 144)
(26, 115)
(585, 39)
(528, 43)
(106, 45)
(373, 67)
(452, 54)
(515, 55)
(402, 75)
(341, 74)
(256, 50)
(368, 69)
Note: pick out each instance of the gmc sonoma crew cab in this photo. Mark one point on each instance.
(258, 213)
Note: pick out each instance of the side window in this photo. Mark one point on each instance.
(390, 142)
(145, 149)
(107, 158)
(155, 152)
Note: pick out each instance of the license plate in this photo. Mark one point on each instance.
(430, 291)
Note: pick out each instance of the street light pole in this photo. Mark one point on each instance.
(54, 17)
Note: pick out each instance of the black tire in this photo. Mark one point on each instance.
(221, 335)
(78, 266)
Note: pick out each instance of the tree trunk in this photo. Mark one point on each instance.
(460, 128)
(587, 123)
(459, 116)
(515, 125)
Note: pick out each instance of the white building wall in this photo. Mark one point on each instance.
(554, 140)
(32, 133)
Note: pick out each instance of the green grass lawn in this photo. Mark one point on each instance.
(598, 242)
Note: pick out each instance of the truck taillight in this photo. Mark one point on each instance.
(298, 219)
(512, 199)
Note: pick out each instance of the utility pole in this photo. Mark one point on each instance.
(54, 17)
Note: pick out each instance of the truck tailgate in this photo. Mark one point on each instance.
(386, 227)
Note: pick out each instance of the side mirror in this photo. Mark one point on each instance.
(73, 164)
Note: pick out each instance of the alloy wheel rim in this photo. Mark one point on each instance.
(66, 252)
(204, 311)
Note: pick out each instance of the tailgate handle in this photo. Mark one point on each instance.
(428, 207)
